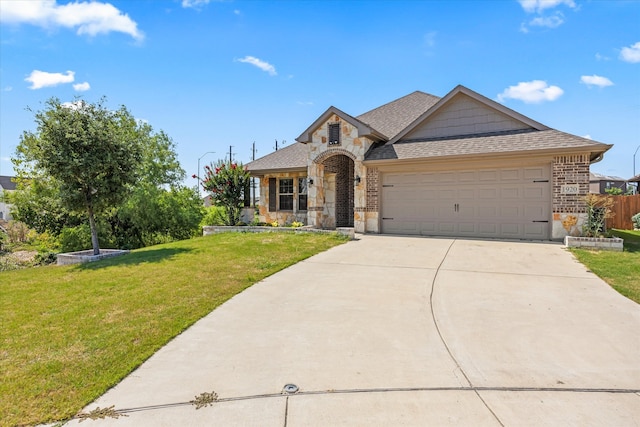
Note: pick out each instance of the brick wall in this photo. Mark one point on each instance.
(342, 166)
(372, 190)
(571, 169)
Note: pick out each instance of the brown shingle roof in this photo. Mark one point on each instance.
(292, 157)
(391, 118)
(494, 143)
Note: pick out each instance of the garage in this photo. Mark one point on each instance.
(506, 202)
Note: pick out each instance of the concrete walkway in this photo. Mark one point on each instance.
(389, 331)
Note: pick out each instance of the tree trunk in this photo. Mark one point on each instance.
(94, 231)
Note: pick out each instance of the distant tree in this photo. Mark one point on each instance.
(90, 152)
(228, 184)
(613, 191)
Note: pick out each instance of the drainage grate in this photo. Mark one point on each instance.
(290, 389)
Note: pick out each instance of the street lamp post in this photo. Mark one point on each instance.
(200, 158)
(634, 160)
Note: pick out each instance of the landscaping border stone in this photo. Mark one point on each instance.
(215, 229)
(603, 243)
(88, 256)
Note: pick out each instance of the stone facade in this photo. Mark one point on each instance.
(570, 176)
(283, 217)
(338, 196)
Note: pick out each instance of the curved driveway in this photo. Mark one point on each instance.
(394, 331)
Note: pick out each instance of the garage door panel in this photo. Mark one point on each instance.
(448, 177)
(498, 202)
(536, 173)
(509, 229)
(510, 174)
(488, 175)
(467, 176)
(467, 228)
(510, 193)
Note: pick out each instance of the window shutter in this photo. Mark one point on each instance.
(334, 133)
(272, 195)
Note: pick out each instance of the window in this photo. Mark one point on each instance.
(334, 133)
(302, 194)
(285, 191)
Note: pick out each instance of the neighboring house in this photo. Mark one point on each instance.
(598, 183)
(635, 181)
(6, 184)
(461, 165)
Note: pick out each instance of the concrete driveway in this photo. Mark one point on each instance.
(408, 331)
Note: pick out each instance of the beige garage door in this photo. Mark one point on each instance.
(512, 203)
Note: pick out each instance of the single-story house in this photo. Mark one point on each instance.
(7, 183)
(460, 165)
(598, 183)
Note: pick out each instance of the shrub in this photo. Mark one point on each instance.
(296, 224)
(214, 215)
(636, 221)
(598, 210)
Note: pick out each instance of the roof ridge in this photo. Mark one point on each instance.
(396, 100)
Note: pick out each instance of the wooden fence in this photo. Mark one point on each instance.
(624, 207)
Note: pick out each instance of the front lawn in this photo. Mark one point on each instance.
(619, 269)
(70, 333)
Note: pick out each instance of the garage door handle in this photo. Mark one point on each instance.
(539, 221)
(387, 185)
(387, 218)
(540, 180)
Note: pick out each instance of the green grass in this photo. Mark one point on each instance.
(71, 333)
(620, 270)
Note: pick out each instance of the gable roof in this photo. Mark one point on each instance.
(521, 141)
(290, 158)
(593, 176)
(363, 128)
(6, 182)
(477, 97)
(391, 118)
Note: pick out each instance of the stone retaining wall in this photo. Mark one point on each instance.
(215, 229)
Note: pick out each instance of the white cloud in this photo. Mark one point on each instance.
(600, 57)
(75, 105)
(587, 136)
(596, 81)
(81, 87)
(40, 79)
(631, 53)
(553, 21)
(195, 4)
(538, 6)
(305, 103)
(263, 65)
(430, 38)
(91, 18)
(531, 92)
(7, 88)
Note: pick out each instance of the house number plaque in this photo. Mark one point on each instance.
(570, 189)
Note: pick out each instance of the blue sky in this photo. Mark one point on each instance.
(218, 73)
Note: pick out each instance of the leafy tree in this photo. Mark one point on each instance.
(228, 184)
(90, 152)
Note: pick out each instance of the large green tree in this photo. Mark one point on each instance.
(90, 152)
(156, 207)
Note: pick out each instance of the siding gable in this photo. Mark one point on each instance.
(463, 115)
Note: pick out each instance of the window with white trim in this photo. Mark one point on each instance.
(285, 194)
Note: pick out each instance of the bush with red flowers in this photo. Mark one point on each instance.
(227, 183)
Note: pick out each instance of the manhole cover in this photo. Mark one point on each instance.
(290, 389)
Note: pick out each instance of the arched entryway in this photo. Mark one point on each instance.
(339, 188)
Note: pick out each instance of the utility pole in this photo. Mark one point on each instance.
(230, 154)
(253, 180)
